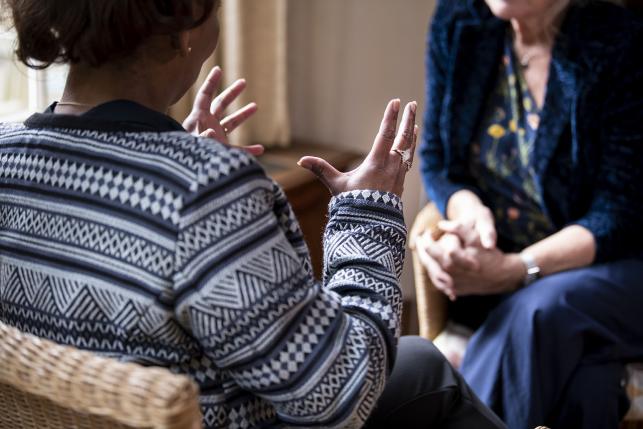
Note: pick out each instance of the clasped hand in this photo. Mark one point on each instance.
(461, 257)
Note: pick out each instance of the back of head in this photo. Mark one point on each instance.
(95, 32)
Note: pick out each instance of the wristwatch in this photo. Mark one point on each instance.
(533, 270)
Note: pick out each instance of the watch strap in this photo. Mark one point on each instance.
(533, 270)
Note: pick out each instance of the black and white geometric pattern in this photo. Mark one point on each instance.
(170, 250)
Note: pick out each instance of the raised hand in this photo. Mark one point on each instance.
(387, 163)
(207, 116)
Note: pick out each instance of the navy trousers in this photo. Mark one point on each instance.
(554, 353)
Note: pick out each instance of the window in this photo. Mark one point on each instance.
(23, 90)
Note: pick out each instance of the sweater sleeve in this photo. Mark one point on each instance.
(319, 352)
(614, 217)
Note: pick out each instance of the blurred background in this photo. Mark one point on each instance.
(348, 58)
(321, 71)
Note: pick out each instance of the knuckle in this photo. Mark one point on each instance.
(388, 135)
(318, 170)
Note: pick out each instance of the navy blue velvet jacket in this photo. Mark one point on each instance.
(589, 147)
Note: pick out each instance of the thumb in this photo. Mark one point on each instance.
(452, 227)
(325, 172)
(209, 133)
(487, 231)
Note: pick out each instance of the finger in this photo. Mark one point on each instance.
(404, 168)
(413, 238)
(440, 278)
(386, 135)
(450, 247)
(208, 90)
(443, 282)
(209, 133)
(451, 226)
(255, 149)
(448, 253)
(239, 117)
(486, 228)
(432, 247)
(405, 136)
(223, 100)
(465, 231)
(325, 172)
(455, 257)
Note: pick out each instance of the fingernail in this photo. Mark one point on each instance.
(396, 105)
(414, 106)
(302, 164)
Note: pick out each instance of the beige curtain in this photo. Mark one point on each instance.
(14, 96)
(253, 45)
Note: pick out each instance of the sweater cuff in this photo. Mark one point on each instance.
(369, 197)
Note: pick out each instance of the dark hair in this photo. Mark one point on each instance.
(96, 31)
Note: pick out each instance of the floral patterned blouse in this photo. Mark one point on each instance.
(501, 159)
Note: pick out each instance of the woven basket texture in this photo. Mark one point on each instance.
(46, 385)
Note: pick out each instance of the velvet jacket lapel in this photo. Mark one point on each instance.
(473, 64)
(476, 54)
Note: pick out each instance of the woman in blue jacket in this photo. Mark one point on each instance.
(532, 150)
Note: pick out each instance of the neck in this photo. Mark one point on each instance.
(90, 86)
(540, 29)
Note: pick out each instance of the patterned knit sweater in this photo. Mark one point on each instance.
(170, 250)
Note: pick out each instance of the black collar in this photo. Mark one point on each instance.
(117, 115)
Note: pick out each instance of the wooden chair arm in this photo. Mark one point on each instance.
(431, 303)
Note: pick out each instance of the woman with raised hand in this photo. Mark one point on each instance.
(131, 235)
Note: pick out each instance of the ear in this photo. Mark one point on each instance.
(184, 43)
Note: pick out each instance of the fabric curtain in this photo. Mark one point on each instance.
(14, 96)
(253, 45)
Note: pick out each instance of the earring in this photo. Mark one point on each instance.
(189, 49)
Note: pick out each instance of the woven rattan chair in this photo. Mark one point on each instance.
(433, 314)
(45, 385)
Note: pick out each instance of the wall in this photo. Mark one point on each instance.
(347, 58)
